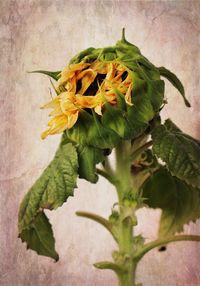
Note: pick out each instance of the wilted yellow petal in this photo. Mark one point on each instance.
(71, 84)
(111, 72)
(71, 119)
(51, 104)
(56, 125)
(128, 95)
(99, 67)
(87, 77)
(88, 101)
(98, 109)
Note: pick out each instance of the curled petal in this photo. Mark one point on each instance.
(99, 67)
(88, 101)
(69, 71)
(87, 77)
(128, 95)
(56, 125)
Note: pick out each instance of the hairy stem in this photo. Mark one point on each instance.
(159, 242)
(126, 216)
(98, 219)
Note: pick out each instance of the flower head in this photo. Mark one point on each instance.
(86, 86)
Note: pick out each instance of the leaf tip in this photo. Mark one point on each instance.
(123, 35)
(187, 103)
(56, 258)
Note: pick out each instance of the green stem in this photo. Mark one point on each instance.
(98, 219)
(159, 242)
(128, 278)
(126, 217)
(108, 265)
(107, 176)
(141, 149)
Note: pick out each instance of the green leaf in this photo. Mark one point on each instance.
(172, 127)
(89, 131)
(50, 191)
(180, 203)
(88, 157)
(54, 75)
(180, 152)
(175, 82)
(39, 236)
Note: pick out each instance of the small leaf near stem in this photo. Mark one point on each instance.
(159, 242)
(108, 265)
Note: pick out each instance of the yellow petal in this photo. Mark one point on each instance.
(71, 84)
(87, 77)
(99, 67)
(98, 109)
(51, 104)
(111, 72)
(88, 101)
(71, 119)
(69, 71)
(128, 95)
(56, 125)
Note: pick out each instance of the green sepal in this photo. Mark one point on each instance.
(155, 86)
(121, 103)
(39, 236)
(180, 203)
(114, 118)
(88, 158)
(80, 56)
(180, 152)
(55, 75)
(89, 131)
(138, 116)
(175, 82)
(50, 191)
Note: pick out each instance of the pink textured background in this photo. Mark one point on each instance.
(46, 34)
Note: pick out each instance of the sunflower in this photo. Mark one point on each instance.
(86, 86)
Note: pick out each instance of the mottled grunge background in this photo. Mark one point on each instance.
(45, 34)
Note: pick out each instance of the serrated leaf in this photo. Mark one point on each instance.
(180, 203)
(39, 236)
(88, 157)
(175, 82)
(55, 75)
(180, 152)
(172, 127)
(50, 191)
